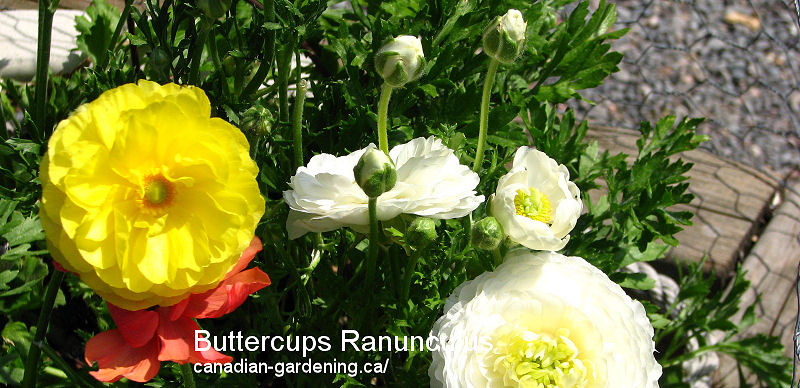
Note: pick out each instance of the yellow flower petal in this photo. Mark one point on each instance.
(147, 197)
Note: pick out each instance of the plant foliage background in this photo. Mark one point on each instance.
(316, 286)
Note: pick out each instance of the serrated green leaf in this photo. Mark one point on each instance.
(136, 40)
(637, 281)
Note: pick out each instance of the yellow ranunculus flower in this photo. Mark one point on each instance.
(147, 197)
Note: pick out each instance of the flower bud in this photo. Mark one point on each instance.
(229, 65)
(400, 61)
(375, 173)
(421, 232)
(487, 234)
(257, 120)
(504, 38)
(214, 9)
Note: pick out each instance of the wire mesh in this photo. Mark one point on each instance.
(737, 63)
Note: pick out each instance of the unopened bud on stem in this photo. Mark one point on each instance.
(487, 234)
(400, 61)
(375, 173)
(421, 232)
(504, 38)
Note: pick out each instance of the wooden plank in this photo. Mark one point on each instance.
(772, 269)
(730, 199)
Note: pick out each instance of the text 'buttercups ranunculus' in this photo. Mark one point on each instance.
(543, 320)
(146, 196)
(430, 182)
(536, 202)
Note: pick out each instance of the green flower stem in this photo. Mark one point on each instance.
(3, 121)
(484, 118)
(284, 68)
(134, 51)
(32, 362)
(46, 11)
(383, 113)
(63, 366)
(212, 48)
(372, 255)
(408, 274)
(197, 53)
(297, 122)
(368, 265)
(188, 375)
(115, 37)
(267, 53)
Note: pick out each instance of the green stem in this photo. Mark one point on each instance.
(372, 255)
(32, 362)
(383, 113)
(409, 273)
(115, 37)
(3, 130)
(484, 118)
(188, 375)
(393, 262)
(212, 48)
(197, 53)
(63, 366)
(284, 68)
(46, 11)
(267, 54)
(297, 122)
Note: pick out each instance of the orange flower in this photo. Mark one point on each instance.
(143, 338)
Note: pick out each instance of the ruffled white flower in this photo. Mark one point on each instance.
(543, 320)
(535, 202)
(430, 182)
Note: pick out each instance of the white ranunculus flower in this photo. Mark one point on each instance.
(543, 320)
(535, 202)
(430, 182)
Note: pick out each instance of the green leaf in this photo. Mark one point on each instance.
(636, 281)
(17, 334)
(95, 33)
(22, 230)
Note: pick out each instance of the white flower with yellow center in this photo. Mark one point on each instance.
(431, 182)
(543, 320)
(535, 202)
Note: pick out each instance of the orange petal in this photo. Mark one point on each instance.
(176, 337)
(176, 311)
(117, 359)
(229, 295)
(246, 257)
(137, 327)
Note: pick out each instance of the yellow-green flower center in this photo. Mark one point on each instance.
(533, 204)
(542, 361)
(158, 192)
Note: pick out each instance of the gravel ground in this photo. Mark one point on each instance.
(737, 63)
